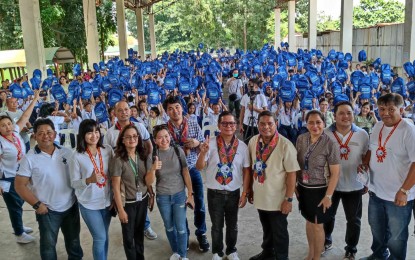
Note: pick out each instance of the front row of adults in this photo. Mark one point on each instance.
(322, 170)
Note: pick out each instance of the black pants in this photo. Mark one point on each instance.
(352, 205)
(133, 231)
(223, 208)
(289, 132)
(275, 228)
(249, 132)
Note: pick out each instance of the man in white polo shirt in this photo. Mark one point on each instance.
(43, 181)
(353, 143)
(123, 114)
(392, 177)
(227, 161)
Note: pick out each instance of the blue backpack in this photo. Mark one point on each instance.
(141, 87)
(291, 59)
(362, 56)
(276, 81)
(27, 88)
(114, 95)
(153, 95)
(409, 69)
(185, 87)
(307, 101)
(213, 93)
(332, 54)
(101, 112)
(283, 72)
(17, 91)
(106, 85)
(348, 57)
(341, 75)
(355, 78)
(302, 85)
(287, 91)
(59, 94)
(365, 88)
(87, 90)
(410, 86)
(398, 86)
(386, 74)
(374, 80)
(313, 77)
(337, 88)
(96, 90)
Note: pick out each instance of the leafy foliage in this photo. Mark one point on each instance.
(370, 12)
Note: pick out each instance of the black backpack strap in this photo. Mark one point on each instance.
(176, 150)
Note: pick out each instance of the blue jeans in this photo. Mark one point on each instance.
(199, 211)
(70, 224)
(147, 224)
(14, 205)
(389, 225)
(98, 222)
(173, 212)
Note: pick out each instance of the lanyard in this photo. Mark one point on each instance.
(227, 149)
(17, 144)
(134, 167)
(387, 138)
(310, 149)
(344, 148)
(102, 181)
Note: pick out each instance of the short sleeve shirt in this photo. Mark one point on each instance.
(325, 153)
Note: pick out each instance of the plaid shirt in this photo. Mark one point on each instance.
(194, 132)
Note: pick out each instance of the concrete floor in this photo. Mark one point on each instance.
(249, 237)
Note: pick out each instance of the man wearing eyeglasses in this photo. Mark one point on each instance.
(187, 134)
(274, 160)
(227, 161)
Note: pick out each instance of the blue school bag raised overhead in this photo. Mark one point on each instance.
(355, 78)
(87, 90)
(185, 87)
(170, 82)
(287, 91)
(17, 91)
(213, 93)
(58, 93)
(101, 112)
(307, 101)
(398, 86)
(337, 88)
(374, 80)
(409, 69)
(362, 56)
(386, 74)
(114, 96)
(365, 87)
(341, 75)
(410, 86)
(27, 88)
(153, 95)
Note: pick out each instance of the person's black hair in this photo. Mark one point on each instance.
(342, 103)
(46, 110)
(155, 110)
(158, 128)
(366, 104)
(6, 117)
(170, 101)
(86, 126)
(43, 121)
(189, 105)
(315, 112)
(136, 107)
(391, 98)
(225, 113)
(265, 113)
(122, 152)
(323, 99)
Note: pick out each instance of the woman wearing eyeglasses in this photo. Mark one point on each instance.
(12, 150)
(88, 168)
(131, 195)
(172, 176)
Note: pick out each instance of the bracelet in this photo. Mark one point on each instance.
(245, 193)
(328, 196)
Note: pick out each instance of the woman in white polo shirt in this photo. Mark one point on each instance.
(12, 150)
(89, 177)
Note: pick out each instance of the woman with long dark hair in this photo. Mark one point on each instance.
(131, 194)
(89, 177)
(366, 119)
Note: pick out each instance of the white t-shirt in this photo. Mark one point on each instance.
(111, 136)
(235, 86)
(287, 118)
(358, 145)
(8, 154)
(386, 178)
(240, 161)
(90, 196)
(49, 177)
(57, 120)
(88, 115)
(260, 101)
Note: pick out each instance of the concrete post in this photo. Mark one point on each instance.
(140, 33)
(291, 25)
(346, 26)
(121, 30)
(409, 32)
(91, 30)
(152, 36)
(312, 24)
(32, 36)
(277, 24)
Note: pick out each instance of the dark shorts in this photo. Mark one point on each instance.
(308, 200)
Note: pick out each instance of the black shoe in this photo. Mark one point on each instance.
(264, 255)
(203, 243)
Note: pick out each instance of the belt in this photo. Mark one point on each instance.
(135, 200)
(224, 192)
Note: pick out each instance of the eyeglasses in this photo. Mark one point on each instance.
(228, 124)
(133, 137)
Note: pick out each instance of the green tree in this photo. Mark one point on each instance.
(10, 28)
(370, 13)
(106, 25)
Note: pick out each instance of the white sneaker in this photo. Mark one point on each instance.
(24, 238)
(150, 234)
(233, 256)
(175, 256)
(216, 257)
(27, 230)
(185, 258)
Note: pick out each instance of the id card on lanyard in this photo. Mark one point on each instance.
(134, 167)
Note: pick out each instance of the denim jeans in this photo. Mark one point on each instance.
(352, 205)
(275, 228)
(389, 225)
(147, 223)
(199, 210)
(70, 225)
(98, 223)
(133, 231)
(223, 208)
(14, 205)
(173, 212)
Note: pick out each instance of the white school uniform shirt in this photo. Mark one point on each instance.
(57, 120)
(8, 154)
(358, 145)
(49, 177)
(260, 101)
(241, 160)
(287, 119)
(386, 178)
(111, 136)
(81, 167)
(88, 115)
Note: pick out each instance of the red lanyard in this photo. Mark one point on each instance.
(102, 181)
(381, 151)
(344, 148)
(118, 126)
(17, 144)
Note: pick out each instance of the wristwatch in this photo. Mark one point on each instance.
(36, 205)
(288, 199)
(407, 192)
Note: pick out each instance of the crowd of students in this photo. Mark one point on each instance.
(304, 125)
